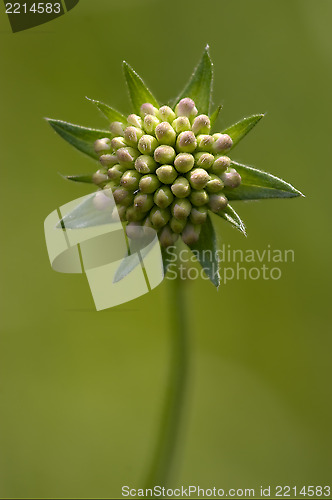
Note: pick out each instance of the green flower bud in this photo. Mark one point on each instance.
(223, 143)
(186, 142)
(116, 172)
(215, 184)
(130, 180)
(148, 223)
(127, 156)
(134, 215)
(180, 187)
(231, 178)
(221, 164)
(165, 133)
(148, 109)
(159, 217)
(181, 208)
(102, 145)
(201, 125)
(184, 162)
(147, 144)
(164, 154)
(132, 135)
(121, 209)
(163, 197)
(99, 177)
(186, 107)
(204, 160)
(134, 230)
(198, 215)
(143, 202)
(177, 225)
(150, 123)
(198, 178)
(167, 237)
(109, 188)
(117, 143)
(217, 202)
(117, 128)
(181, 124)
(190, 234)
(108, 160)
(204, 142)
(166, 174)
(149, 183)
(135, 121)
(101, 201)
(145, 164)
(199, 198)
(122, 196)
(166, 114)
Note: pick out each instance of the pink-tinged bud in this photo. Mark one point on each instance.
(231, 178)
(127, 156)
(165, 133)
(184, 162)
(101, 201)
(223, 143)
(145, 164)
(135, 121)
(198, 215)
(116, 172)
(186, 107)
(167, 237)
(108, 160)
(198, 178)
(134, 215)
(143, 202)
(204, 143)
(164, 154)
(190, 234)
(132, 135)
(150, 123)
(102, 145)
(186, 142)
(177, 225)
(199, 198)
(149, 183)
(217, 202)
(122, 196)
(215, 184)
(166, 114)
(130, 180)
(117, 128)
(159, 217)
(181, 124)
(147, 144)
(180, 187)
(204, 160)
(181, 208)
(166, 174)
(148, 109)
(201, 125)
(221, 165)
(134, 230)
(163, 197)
(99, 177)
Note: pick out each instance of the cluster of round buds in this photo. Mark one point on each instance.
(166, 170)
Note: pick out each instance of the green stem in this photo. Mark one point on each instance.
(163, 457)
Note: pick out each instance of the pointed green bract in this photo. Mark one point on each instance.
(215, 115)
(199, 87)
(256, 185)
(81, 138)
(233, 218)
(138, 91)
(86, 178)
(86, 215)
(111, 114)
(205, 251)
(241, 128)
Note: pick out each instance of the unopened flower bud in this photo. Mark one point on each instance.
(132, 135)
(150, 123)
(190, 234)
(117, 128)
(149, 183)
(180, 187)
(101, 201)
(199, 198)
(167, 237)
(221, 164)
(166, 114)
(135, 121)
(198, 215)
(102, 145)
(186, 142)
(122, 196)
(181, 208)
(223, 143)
(145, 164)
(166, 174)
(215, 184)
(127, 156)
(231, 178)
(217, 202)
(186, 107)
(177, 225)
(147, 223)
(204, 160)
(147, 144)
(121, 209)
(99, 177)
(143, 202)
(117, 143)
(108, 160)
(116, 172)
(148, 109)
(204, 142)
(134, 215)
(130, 180)
(181, 124)
(164, 154)
(184, 162)
(134, 230)
(163, 197)
(201, 125)
(198, 178)
(165, 133)
(159, 217)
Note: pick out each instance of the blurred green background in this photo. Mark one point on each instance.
(81, 392)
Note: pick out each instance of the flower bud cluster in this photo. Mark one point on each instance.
(166, 170)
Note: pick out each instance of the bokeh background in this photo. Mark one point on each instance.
(81, 392)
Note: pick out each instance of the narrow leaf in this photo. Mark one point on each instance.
(199, 87)
(215, 115)
(138, 91)
(166, 256)
(241, 128)
(256, 185)
(205, 250)
(233, 218)
(87, 178)
(111, 114)
(81, 138)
